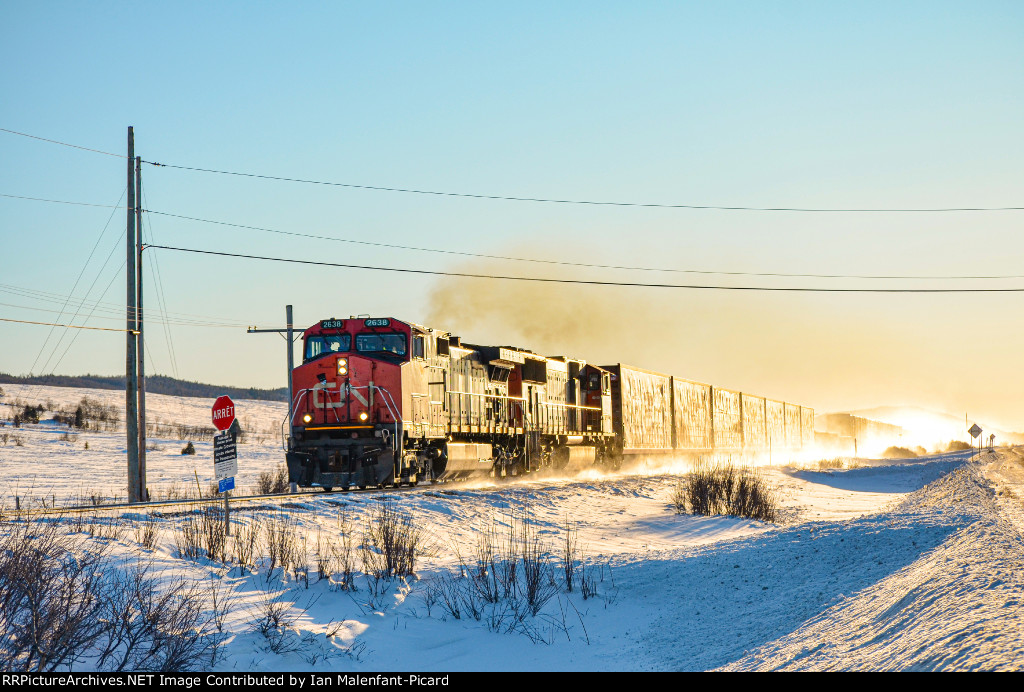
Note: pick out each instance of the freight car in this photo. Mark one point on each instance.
(382, 402)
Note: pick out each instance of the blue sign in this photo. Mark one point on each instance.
(226, 484)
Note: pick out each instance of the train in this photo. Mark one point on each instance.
(381, 402)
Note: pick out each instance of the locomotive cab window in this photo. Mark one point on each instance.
(317, 346)
(418, 347)
(387, 344)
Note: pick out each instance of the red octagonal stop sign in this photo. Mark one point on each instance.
(223, 412)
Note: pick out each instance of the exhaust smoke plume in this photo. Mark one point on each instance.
(833, 352)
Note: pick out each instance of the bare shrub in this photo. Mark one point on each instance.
(192, 432)
(63, 602)
(214, 534)
(829, 464)
(752, 498)
(274, 618)
(174, 492)
(300, 560)
(324, 555)
(111, 529)
(244, 540)
(428, 593)
(680, 493)
(17, 440)
(155, 629)
(484, 576)
(273, 482)
(343, 553)
(94, 415)
(50, 605)
(713, 490)
(221, 600)
(189, 448)
(282, 540)
(391, 542)
(189, 539)
(446, 591)
(570, 554)
(588, 582)
(958, 446)
(538, 573)
(147, 532)
(899, 453)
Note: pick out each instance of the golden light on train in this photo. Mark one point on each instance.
(342, 366)
(363, 415)
(307, 418)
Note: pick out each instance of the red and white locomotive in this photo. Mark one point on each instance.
(379, 402)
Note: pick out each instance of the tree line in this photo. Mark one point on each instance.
(155, 384)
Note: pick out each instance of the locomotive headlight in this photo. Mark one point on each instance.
(342, 366)
(364, 415)
(307, 418)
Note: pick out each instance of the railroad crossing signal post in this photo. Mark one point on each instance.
(289, 336)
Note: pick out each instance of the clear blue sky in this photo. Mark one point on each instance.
(910, 104)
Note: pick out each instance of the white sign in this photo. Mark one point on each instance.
(225, 459)
(225, 469)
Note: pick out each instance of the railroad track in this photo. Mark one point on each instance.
(145, 506)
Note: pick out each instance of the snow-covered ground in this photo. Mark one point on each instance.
(52, 461)
(912, 564)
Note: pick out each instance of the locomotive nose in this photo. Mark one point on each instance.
(347, 390)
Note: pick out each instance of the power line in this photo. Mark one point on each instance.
(511, 198)
(60, 201)
(63, 144)
(509, 258)
(180, 318)
(69, 326)
(79, 278)
(150, 318)
(161, 300)
(89, 317)
(394, 246)
(592, 283)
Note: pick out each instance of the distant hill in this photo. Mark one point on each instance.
(155, 384)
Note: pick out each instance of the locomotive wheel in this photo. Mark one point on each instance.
(327, 488)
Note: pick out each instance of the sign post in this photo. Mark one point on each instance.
(225, 452)
(975, 431)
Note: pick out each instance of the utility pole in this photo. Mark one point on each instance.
(289, 336)
(131, 349)
(141, 350)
